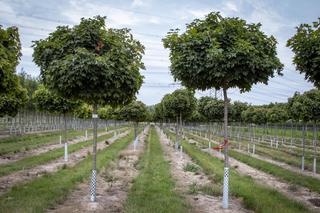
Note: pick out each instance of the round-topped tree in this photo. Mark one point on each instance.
(222, 53)
(46, 100)
(136, 112)
(12, 95)
(92, 63)
(179, 104)
(306, 47)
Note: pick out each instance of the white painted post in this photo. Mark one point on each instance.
(302, 163)
(248, 148)
(181, 151)
(314, 165)
(65, 152)
(60, 139)
(86, 134)
(253, 149)
(135, 143)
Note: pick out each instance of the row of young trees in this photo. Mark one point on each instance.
(81, 68)
(299, 108)
(221, 53)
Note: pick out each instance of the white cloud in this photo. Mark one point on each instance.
(138, 3)
(27, 51)
(230, 6)
(115, 16)
(198, 13)
(6, 7)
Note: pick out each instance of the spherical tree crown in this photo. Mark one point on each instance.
(135, 111)
(12, 95)
(306, 46)
(180, 102)
(91, 63)
(220, 52)
(46, 100)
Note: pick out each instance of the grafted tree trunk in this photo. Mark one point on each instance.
(226, 158)
(177, 129)
(94, 154)
(315, 138)
(65, 138)
(180, 127)
(303, 146)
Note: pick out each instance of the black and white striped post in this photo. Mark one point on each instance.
(94, 155)
(225, 196)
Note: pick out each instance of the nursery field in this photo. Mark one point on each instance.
(159, 107)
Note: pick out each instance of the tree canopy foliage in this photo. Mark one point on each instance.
(12, 95)
(46, 100)
(305, 107)
(90, 62)
(306, 47)
(135, 111)
(211, 108)
(180, 102)
(219, 52)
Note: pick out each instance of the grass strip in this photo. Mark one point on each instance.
(46, 191)
(259, 198)
(24, 143)
(284, 174)
(35, 160)
(153, 189)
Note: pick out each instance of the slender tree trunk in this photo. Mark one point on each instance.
(94, 154)
(65, 138)
(135, 142)
(226, 158)
(177, 129)
(315, 148)
(303, 146)
(180, 126)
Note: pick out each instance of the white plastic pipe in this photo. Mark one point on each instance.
(66, 152)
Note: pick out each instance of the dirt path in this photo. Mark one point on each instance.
(113, 185)
(10, 158)
(8, 181)
(298, 193)
(200, 202)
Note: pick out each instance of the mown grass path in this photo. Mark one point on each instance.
(154, 189)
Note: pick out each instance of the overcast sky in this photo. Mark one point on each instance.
(150, 20)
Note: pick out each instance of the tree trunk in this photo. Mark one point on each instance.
(226, 159)
(303, 146)
(65, 138)
(180, 126)
(135, 142)
(94, 154)
(314, 148)
(177, 129)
